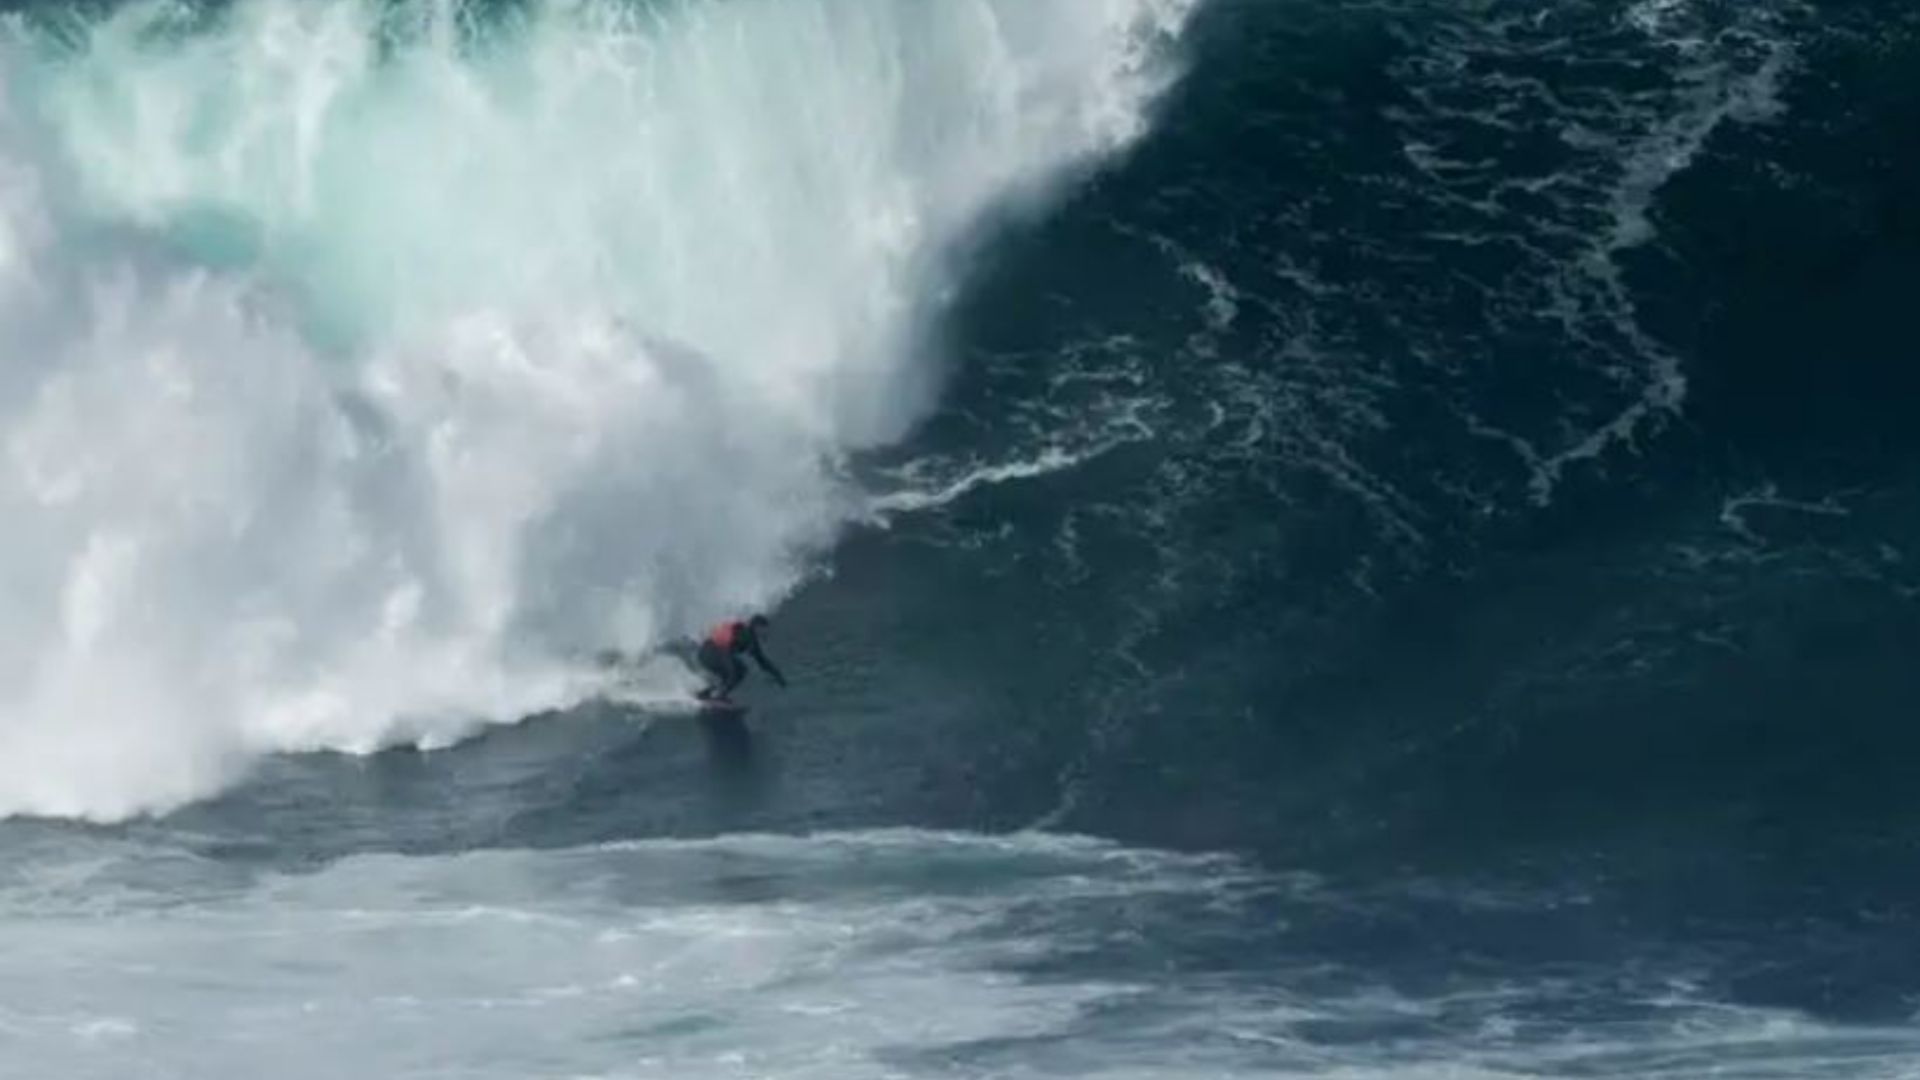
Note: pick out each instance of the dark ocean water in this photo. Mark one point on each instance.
(1520, 455)
(1452, 479)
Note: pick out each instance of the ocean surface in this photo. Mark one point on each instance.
(1311, 538)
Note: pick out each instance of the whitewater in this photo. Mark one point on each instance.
(372, 368)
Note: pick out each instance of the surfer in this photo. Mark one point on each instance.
(721, 651)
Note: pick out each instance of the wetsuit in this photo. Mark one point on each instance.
(720, 654)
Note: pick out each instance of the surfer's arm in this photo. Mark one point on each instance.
(766, 665)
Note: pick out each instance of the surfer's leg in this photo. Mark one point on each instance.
(718, 666)
(736, 671)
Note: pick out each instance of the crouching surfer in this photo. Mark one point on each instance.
(720, 654)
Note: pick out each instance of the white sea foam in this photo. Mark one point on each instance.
(370, 366)
(849, 956)
(908, 499)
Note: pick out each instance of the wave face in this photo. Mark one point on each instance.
(1456, 427)
(370, 366)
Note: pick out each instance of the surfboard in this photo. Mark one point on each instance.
(721, 708)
